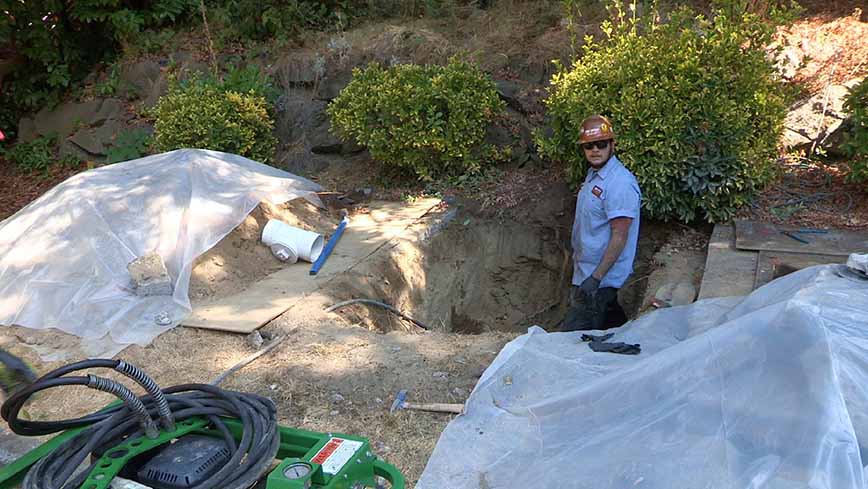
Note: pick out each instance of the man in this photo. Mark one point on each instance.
(605, 232)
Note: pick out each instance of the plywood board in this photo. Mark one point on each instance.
(761, 236)
(774, 264)
(265, 300)
(728, 271)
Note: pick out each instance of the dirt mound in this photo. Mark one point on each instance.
(240, 259)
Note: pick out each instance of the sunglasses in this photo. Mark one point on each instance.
(596, 144)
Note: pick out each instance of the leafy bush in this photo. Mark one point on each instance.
(54, 43)
(695, 104)
(37, 155)
(429, 119)
(263, 19)
(856, 142)
(201, 115)
(129, 145)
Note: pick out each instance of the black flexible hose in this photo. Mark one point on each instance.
(250, 457)
(35, 428)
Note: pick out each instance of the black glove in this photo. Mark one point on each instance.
(589, 286)
(622, 348)
(14, 373)
(600, 338)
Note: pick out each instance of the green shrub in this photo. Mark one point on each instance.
(129, 145)
(57, 42)
(37, 155)
(428, 119)
(856, 139)
(695, 103)
(201, 115)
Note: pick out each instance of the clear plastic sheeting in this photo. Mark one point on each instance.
(63, 258)
(764, 391)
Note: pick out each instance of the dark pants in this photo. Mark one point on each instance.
(601, 311)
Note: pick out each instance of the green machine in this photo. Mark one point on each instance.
(192, 436)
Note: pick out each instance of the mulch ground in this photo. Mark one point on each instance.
(20, 188)
(812, 194)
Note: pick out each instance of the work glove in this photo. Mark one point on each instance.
(600, 338)
(589, 286)
(621, 348)
(14, 373)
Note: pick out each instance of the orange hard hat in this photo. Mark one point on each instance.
(596, 128)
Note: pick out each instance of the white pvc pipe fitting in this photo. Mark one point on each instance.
(303, 244)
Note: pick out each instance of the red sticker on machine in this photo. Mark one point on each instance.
(335, 454)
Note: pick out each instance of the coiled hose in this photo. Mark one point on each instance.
(250, 457)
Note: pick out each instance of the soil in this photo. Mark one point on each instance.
(835, 48)
(21, 187)
(240, 259)
(812, 194)
(500, 265)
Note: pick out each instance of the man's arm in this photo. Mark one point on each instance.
(620, 227)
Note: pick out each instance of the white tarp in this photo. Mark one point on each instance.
(63, 258)
(764, 391)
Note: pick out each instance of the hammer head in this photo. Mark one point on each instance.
(398, 404)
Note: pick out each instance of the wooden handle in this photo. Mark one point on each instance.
(436, 407)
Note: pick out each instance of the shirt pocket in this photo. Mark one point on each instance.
(594, 207)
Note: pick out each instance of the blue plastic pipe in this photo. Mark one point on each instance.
(329, 246)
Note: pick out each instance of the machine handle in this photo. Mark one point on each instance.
(390, 473)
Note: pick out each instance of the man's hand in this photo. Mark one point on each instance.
(14, 373)
(589, 286)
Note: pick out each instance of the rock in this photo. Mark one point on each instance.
(807, 124)
(498, 135)
(319, 135)
(509, 91)
(152, 95)
(337, 398)
(68, 118)
(440, 375)
(255, 340)
(96, 141)
(834, 141)
(149, 275)
(138, 79)
(789, 61)
(330, 87)
(300, 69)
(676, 293)
(298, 112)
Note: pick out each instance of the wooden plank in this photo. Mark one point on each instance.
(760, 236)
(774, 264)
(265, 300)
(728, 271)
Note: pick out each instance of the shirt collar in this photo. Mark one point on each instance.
(607, 168)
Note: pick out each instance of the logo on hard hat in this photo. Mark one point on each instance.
(604, 127)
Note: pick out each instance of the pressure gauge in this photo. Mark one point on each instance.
(297, 470)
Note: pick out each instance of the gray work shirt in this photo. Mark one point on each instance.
(606, 194)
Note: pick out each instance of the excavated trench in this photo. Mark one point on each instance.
(470, 274)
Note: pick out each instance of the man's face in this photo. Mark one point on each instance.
(598, 152)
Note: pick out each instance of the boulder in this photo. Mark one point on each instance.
(96, 140)
(138, 78)
(810, 121)
(68, 118)
(330, 87)
(300, 69)
(319, 135)
(509, 92)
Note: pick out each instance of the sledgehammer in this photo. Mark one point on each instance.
(437, 407)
